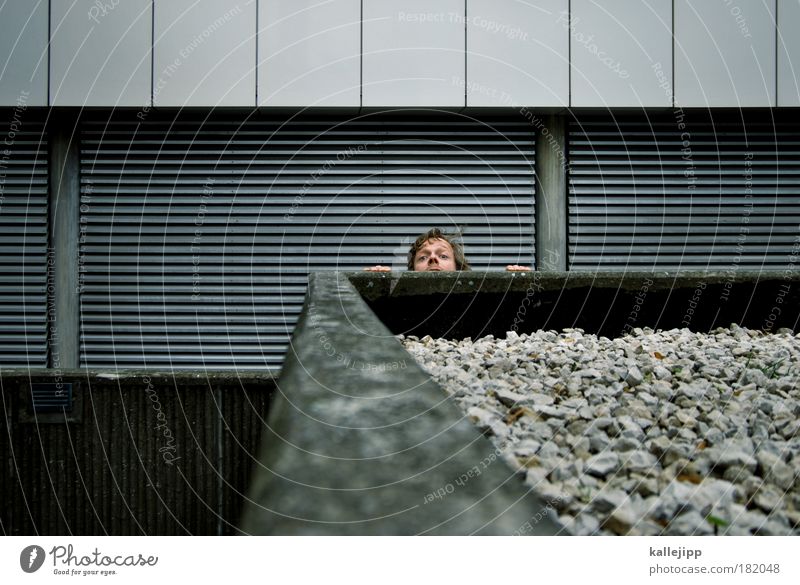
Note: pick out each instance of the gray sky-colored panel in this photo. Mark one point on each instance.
(205, 53)
(309, 53)
(23, 53)
(788, 53)
(621, 53)
(725, 53)
(100, 53)
(413, 53)
(517, 53)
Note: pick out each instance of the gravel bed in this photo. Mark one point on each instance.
(656, 432)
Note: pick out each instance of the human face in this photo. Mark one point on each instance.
(435, 256)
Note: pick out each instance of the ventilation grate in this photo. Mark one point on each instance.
(686, 191)
(198, 234)
(51, 397)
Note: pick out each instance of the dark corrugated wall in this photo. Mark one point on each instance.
(694, 190)
(108, 472)
(23, 241)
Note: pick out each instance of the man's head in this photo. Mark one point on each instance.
(436, 251)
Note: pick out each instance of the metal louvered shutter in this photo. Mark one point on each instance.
(684, 191)
(23, 243)
(200, 234)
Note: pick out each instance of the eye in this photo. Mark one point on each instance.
(444, 255)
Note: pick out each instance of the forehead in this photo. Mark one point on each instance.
(435, 243)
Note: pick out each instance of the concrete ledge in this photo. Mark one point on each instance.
(361, 441)
(474, 304)
(18, 380)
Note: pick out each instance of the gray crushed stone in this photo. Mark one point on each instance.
(656, 432)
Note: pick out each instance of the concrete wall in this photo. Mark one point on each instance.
(137, 454)
(442, 53)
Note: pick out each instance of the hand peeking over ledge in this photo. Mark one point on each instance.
(509, 268)
(435, 251)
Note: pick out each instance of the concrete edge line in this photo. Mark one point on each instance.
(360, 441)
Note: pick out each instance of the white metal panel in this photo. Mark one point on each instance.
(413, 53)
(309, 53)
(788, 53)
(23, 52)
(621, 53)
(204, 53)
(517, 53)
(100, 53)
(725, 53)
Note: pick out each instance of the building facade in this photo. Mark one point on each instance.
(173, 170)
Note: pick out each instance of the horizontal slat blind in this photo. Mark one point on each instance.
(199, 234)
(23, 241)
(683, 191)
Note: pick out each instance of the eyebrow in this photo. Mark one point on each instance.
(438, 248)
